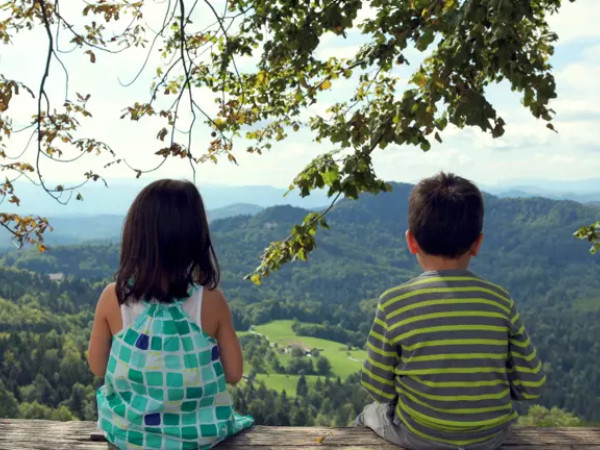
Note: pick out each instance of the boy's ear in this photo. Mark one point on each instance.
(476, 245)
(413, 246)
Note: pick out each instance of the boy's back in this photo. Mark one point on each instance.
(447, 352)
(451, 349)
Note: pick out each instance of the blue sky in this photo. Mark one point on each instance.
(527, 151)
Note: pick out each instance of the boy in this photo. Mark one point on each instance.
(447, 352)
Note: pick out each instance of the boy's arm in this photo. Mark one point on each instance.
(525, 372)
(378, 369)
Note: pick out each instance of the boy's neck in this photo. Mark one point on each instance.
(431, 263)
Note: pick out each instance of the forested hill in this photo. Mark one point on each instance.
(528, 248)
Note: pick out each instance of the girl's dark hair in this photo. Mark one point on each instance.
(166, 244)
(445, 215)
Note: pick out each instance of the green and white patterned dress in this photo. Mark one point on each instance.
(164, 385)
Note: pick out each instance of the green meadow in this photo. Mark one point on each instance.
(343, 362)
(280, 382)
(587, 304)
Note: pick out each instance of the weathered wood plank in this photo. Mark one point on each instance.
(306, 437)
(38, 435)
(362, 438)
(44, 435)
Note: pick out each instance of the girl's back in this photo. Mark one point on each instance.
(166, 360)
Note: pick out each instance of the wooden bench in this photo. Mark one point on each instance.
(47, 435)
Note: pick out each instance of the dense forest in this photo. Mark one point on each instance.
(528, 248)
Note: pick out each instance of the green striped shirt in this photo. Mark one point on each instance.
(451, 350)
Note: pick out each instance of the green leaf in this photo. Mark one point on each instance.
(425, 40)
(419, 79)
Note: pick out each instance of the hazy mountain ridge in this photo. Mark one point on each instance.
(583, 191)
(528, 244)
(100, 216)
(236, 209)
(117, 197)
(106, 228)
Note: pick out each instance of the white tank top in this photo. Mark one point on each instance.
(192, 306)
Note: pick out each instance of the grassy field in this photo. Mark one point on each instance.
(587, 304)
(279, 382)
(344, 362)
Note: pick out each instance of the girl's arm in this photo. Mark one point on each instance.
(101, 338)
(229, 346)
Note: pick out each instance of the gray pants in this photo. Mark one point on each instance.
(380, 418)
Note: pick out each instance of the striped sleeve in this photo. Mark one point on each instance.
(525, 371)
(378, 369)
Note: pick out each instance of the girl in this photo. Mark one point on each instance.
(163, 335)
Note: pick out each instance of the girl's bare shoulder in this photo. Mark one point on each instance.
(214, 296)
(215, 311)
(108, 298)
(109, 308)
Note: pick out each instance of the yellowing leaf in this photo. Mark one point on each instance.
(325, 84)
(419, 79)
(92, 56)
(447, 5)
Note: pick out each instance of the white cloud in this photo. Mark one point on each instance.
(578, 108)
(580, 76)
(577, 20)
(592, 53)
(485, 165)
(366, 13)
(347, 52)
(527, 150)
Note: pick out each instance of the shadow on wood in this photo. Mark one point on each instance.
(40, 434)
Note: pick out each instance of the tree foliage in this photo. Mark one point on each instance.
(590, 233)
(324, 403)
(45, 325)
(539, 416)
(466, 46)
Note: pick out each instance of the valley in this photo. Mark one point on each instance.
(325, 304)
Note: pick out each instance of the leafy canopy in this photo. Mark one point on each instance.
(467, 45)
(539, 416)
(590, 233)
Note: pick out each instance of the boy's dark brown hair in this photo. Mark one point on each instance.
(166, 244)
(445, 215)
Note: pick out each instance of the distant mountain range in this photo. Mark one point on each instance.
(102, 228)
(583, 191)
(100, 216)
(528, 245)
(528, 192)
(237, 209)
(115, 200)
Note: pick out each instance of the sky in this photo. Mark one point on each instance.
(528, 150)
